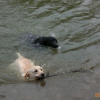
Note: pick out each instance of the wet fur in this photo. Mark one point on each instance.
(28, 69)
(47, 41)
(43, 41)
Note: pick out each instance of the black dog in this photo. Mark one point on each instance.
(43, 41)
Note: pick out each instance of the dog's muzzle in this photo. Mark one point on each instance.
(41, 77)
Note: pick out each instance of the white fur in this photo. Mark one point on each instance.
(28, 69)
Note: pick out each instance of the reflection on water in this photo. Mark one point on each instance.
(41, 82)
(76, 25)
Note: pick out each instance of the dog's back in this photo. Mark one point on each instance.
(24, 63)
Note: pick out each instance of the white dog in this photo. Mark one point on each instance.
(28, 69)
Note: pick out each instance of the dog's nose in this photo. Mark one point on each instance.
(42, 74)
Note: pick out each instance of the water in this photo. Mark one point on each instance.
(76, 25)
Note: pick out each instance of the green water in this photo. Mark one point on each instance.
(76, 25)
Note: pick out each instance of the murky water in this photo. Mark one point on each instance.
(76, 25)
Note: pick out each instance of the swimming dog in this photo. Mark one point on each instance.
(43, 41)
(28, 69)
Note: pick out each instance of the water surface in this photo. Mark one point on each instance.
(76, 25)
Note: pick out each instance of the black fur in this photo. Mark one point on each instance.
(47, 41)
(43, 41)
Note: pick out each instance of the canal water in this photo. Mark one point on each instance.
(76, 25)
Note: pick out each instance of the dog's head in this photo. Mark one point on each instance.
(35, 72)
(52, 42)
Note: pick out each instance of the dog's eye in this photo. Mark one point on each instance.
(41, 69)
(36, 71)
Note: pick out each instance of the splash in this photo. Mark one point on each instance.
(52, 34)
(59, 48)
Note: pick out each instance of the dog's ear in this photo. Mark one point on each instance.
(27, 75)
